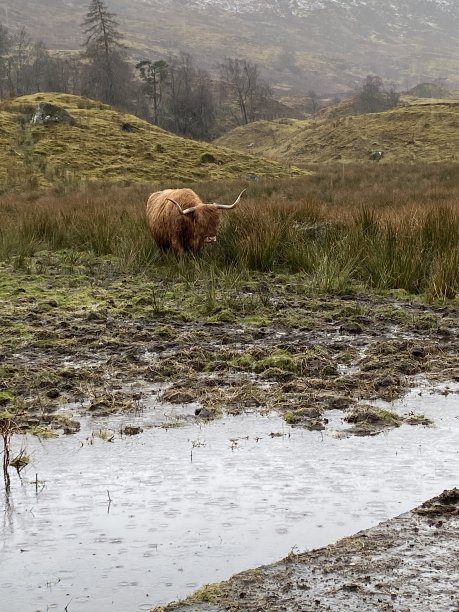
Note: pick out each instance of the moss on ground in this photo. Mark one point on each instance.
(423, 131)
(96, 149)
(79, 337)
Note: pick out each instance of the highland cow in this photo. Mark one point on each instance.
(180, 222)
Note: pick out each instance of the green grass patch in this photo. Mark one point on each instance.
(95, 149)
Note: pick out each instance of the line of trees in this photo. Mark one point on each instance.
(27, 66)
(171, 92)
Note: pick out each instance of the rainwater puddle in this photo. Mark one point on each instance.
(195, 504)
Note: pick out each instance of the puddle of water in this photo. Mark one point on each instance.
(345, 369)
(246, 498)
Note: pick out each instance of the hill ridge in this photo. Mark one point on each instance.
(105, 144)
(421, 130)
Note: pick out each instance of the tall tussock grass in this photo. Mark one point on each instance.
(336, 230)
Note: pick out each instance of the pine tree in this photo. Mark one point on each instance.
(153, 74)
(102, 43)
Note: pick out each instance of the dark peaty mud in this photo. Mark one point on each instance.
(82, 333)
(409, 564)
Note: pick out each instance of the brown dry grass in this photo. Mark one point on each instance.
(389, 228)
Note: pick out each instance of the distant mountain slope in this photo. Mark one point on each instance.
(426, 131)
(304, 44)
(97, 148)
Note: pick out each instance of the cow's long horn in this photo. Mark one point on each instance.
(232, 205)
(187, 211)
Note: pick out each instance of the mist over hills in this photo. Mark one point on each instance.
(327, 45)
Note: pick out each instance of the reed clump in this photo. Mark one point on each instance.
(369, 231)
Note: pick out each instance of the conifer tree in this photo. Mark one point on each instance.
(102, 48)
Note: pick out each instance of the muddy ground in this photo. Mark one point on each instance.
(77, 330)
(406, 564)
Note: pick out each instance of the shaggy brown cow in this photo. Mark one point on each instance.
(181, 222)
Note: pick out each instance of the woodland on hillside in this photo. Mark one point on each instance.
(174, 93)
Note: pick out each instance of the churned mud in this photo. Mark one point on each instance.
(409, 563)
(79, 331)
(201, 425)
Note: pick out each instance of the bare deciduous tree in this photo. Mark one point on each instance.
(373, 98)
(18, 62)
(243, 85)
(191, 109)
(5, 43)
(314, 98)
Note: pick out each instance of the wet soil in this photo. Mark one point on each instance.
(409, 563)
(84, 344)
(112, 521)
(77, 330)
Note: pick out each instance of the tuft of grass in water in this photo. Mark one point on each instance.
(209, 593)
(105, 435)
(419, 419)
(368, 415)
(21, 460)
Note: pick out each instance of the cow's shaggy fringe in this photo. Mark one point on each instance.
(385, 228)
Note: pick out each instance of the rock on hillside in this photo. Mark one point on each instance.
(104, 144)
(423, 131)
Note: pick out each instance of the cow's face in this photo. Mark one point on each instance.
(208, 222)
(200, 221)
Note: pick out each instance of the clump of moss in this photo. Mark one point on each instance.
(309, 417)
(291, 418)
(225, 315)
(6, 397)
(209, 593)
(42, 432)
(280, 359)
(367, 415)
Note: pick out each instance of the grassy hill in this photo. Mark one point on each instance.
(421, 130)
(95, 148)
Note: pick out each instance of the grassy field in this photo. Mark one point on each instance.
(387, 227)
(96, 149)
(419, 131)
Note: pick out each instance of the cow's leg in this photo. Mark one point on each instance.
(177, 248)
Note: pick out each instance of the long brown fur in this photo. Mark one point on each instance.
(176, 232)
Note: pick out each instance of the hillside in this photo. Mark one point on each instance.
(327, 45)
(96, 148)
(423, 130)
